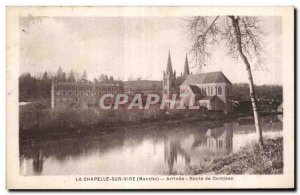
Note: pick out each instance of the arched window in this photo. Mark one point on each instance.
(219, 90)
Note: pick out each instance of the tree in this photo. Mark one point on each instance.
(102, 77)
(84, 77)
(111, 78)
(241, 36)
(45, 76)
(71, 77)
(59, 73)
(63, 78)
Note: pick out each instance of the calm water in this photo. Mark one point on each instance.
(155, 150)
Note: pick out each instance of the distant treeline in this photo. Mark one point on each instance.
(240, 92)
(33, 88)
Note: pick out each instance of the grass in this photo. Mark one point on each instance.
(249, 160)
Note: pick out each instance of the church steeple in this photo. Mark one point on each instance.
(186, 70)
(169, 81)
(169, 64)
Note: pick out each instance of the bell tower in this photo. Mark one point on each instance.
(169, 79)
(186, 69)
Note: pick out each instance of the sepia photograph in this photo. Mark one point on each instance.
(150, 97)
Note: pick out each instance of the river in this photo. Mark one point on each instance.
(156, 150)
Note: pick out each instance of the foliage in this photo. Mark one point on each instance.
(248, 160)
(206, 32)
(32, 88)
(241, 92)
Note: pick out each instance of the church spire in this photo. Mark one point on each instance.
(169, 65)
(186, 70)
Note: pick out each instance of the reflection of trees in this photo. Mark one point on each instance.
(171, 145)
(187, 140)
(100, 143)
(268, 123)
(38, 160)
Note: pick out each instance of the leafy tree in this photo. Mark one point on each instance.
(34, 113)
(45, 76)
(241, 36)
(63, 78)
(71, 77)
(84, 77)
(102, 77)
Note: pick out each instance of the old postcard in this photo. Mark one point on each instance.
(150, 98)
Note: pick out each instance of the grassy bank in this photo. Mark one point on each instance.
(249, 160)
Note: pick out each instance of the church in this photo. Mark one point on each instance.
(213, 90)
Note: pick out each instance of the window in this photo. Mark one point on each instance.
(219, 90)
(211, 91)
(70, 93)
(76, 99)
(220, 143)
(64, 93)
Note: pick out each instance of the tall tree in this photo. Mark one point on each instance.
(59, 72)
(71, 77)
(106, 78)
(102, 77)
(84, 77)
(45, 76)
(242, 37)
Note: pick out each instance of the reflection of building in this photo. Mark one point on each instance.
(214, 88)
(204, 142)
(82, 94)
(216, 139)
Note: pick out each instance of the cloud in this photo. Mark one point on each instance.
(122, 47)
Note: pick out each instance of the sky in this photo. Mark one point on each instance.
(132, 47)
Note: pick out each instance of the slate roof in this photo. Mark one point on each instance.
(180, 80)
(210, 77)
(195, 89)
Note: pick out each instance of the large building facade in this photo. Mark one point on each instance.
(77, 94)
(213, 90)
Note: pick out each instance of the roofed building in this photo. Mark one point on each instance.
(82, 94)
(213, 89)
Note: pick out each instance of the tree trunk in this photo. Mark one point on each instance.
(235, 23)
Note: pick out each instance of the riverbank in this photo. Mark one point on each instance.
(74, 127)
(248, 160)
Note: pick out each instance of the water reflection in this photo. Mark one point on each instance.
(157, 149)
(204, 142)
